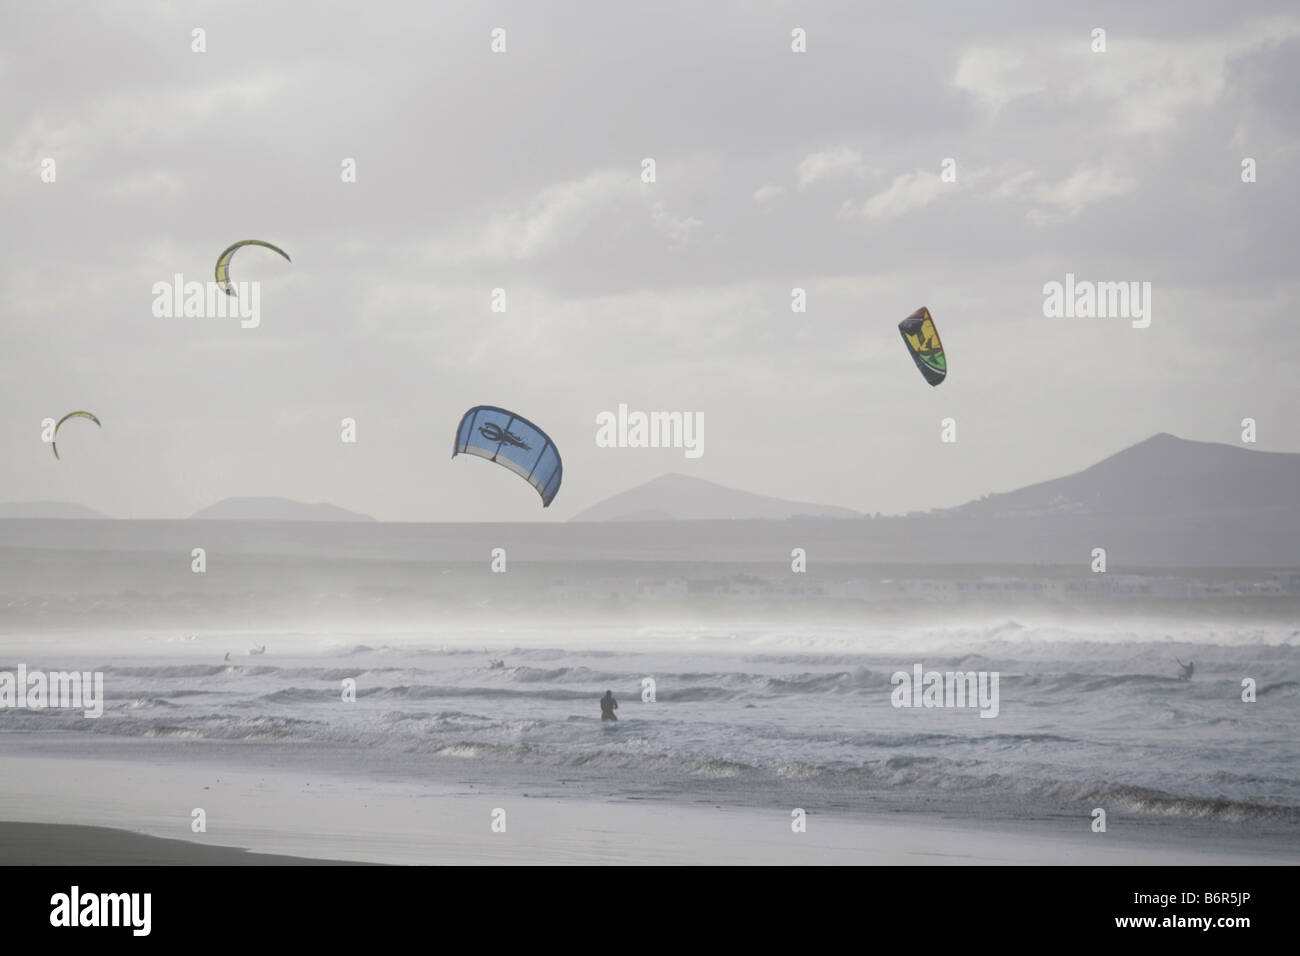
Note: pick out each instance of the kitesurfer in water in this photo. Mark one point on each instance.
(607, 706)
(1187, 669)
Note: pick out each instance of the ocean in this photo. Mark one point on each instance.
(1088, 717)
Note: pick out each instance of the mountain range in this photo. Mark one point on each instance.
(275, 509)
(674, 497)
(1162, 475)
(1159, 495)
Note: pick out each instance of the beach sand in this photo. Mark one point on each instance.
(296, 816)
(56, 844)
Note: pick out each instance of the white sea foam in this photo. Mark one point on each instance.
(1087, 716)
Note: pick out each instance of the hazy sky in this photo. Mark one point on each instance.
(521, 170)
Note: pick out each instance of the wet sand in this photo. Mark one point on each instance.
(59, 844)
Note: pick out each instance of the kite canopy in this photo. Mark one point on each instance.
(923, 343)
(506, 438)
(54, 440)
(223, 260)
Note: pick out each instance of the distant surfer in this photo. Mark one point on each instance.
(257, 650)
(227, 655)
(607, 706)
(1187, 669)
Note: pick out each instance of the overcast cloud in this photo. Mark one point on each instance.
(521, 170)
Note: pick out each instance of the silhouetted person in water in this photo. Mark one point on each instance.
(607, 706)
(1188, 668)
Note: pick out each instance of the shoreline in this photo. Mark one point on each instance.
(299, 813)
(70, 844)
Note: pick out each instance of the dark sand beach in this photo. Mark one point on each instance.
(57, 844)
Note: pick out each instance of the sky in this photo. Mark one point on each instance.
(522, 170)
